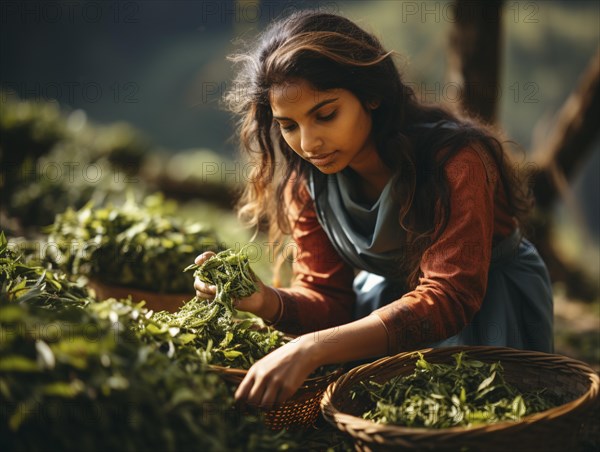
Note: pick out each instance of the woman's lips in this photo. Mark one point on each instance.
(322, 159)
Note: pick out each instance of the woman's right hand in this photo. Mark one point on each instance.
(204, 291)
(264, 303)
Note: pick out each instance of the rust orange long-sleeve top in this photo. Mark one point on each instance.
(454, 268)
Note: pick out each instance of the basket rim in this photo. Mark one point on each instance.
(334, 416)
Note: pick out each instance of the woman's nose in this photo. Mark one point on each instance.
(311, 142)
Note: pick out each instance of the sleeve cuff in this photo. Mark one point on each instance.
(392, 346)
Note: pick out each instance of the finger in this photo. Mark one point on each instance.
(206, 288)
(203, 296)
(201, 286)
(285, 392)
(200, 259)
(270, 396)
(255, 395)
(241, 393)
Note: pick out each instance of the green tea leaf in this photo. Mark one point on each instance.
(16, 363)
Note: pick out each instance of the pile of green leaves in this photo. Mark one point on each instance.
(225, 339)
(210, 326)
(77, 375)
(133, 245)
(212, 335)
(33, 284)
(468, 393)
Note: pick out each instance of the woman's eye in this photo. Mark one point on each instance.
(329, 117)
(287, 128)
(291, 127)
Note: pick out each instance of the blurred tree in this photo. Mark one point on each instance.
(556, 160)
(473, 65)
(474, 55)
(571, 140)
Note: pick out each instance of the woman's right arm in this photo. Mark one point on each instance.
(320, 294)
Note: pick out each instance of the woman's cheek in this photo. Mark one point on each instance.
(292, 144)
(297, 150)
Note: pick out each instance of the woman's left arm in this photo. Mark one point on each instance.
(454, 268)
(275, 378)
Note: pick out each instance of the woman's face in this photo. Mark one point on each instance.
(331, 129)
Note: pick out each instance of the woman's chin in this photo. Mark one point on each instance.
(326, 170)
(330, 168)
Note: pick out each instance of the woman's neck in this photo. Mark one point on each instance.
(372, 178)
(373, 174)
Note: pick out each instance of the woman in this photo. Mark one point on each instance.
(424, 204)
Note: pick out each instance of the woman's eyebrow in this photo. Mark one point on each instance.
(314, 108)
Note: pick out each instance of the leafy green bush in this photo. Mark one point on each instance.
(79, 376)
(133, 245)
(83, 376)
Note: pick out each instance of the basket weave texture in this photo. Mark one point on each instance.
(154, 300)
(559, 428)
(300, 410)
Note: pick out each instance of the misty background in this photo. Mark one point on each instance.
(161, 66)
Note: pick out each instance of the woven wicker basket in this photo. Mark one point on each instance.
(154, 300)
(559, 428)
(301, 410)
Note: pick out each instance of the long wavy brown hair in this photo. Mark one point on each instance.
(330, 51)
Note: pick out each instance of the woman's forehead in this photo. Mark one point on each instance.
(298, 93)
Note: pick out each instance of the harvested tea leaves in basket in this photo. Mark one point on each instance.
(468, 393)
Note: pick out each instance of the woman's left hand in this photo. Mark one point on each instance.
(277, 376)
